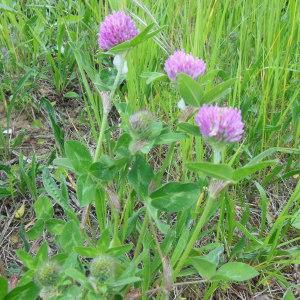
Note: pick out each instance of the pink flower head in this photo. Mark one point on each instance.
(116, 29)
(180, 62)
(223, 124)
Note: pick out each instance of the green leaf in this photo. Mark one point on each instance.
(42, 254)
(220, 171)
(189, 128)
(71, 236)
(153, 76)
(5, 192)
(3, 287)
(236, 271)
(7, 8)
(118, 251)
(87, 251)
(77, 275)
(140, 176)
(296, 220)
(55, 226)
(107, 168)
(36, 230)
(189, 89)
(124, 281)
(79, 156)
(247, 170)
(43, 208)
(63, 162)
(218, 91)
(86, 190)
(169, 137)
(71, 95)
(288, 295)
(272, 151)
(52, 189)
(140, 38)
(57, 129)
(26, 259)
(204, 267)
(174, 196)
(24, 292)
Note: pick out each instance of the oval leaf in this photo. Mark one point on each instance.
(174, 196)
(236, 271)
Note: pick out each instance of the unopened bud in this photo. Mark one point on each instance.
(47, 274)
(144, 126)
(103, 268)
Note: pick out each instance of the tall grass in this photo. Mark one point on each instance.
(256, 42)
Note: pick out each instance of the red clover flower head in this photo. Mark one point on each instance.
(116, 29)
(222, 124)
(181, 62)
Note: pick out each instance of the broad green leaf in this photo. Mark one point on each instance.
(52, 189)
(189, 89)
(189, 128)
(24, 292)
(43, 208)
(77, 276)
(248, 170)
(140, 176)
(71, 236)
(86, 189)
(26, 259)
(64, 162)
(3, 287)
(87, 251)
(236, 272)
(220, 171)
(42, 254)
(218, 91)
(169, 137)
(121, 250)
(36, 230)
(55, 226)
(79, 156)
(174, 196)
(204, 267)
(107, 168)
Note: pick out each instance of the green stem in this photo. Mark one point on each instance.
(142, 235)
(105, 113)
(100, 138)
(194, 236)
(217, 155)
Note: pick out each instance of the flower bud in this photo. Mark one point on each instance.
(143, 126)
(47, 274)
(103, 268)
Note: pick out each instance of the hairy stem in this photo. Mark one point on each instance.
(194, 236)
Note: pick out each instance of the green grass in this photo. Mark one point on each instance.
(53, 44)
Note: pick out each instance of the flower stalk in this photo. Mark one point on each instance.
(194, 237)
